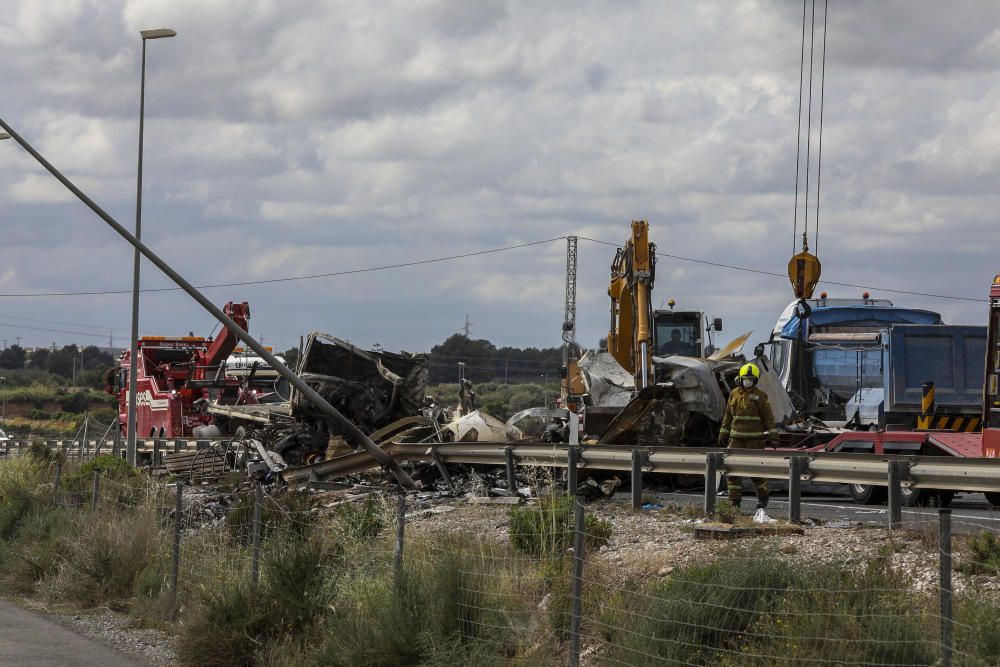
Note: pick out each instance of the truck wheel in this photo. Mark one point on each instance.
(993, 498)
(927, 497)
(865, 494)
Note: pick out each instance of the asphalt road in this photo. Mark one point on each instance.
(969, 511)
(29, 639)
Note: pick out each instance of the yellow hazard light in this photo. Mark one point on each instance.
(996, 280)
(153, 338)
(196, 339)
(239, 350)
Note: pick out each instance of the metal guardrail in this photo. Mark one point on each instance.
(919, 472)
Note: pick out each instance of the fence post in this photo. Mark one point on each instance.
(400, 533)
(508, 453)
(572, 461)
(944, 545)
(178, 522)
(895, 495)
(84, 443)
(795, 489)
(157, 446)
(576, 596)
(636, 479)
(96, 495)
(258, 500)
(55, 484)
(711, 470)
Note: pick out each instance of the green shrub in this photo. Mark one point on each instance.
(545, 530)
(102, 562)
(288, 512)
(35, 552)
(234, 623)
(983, 555)
(113, 468)
(362, 521)
(726, 512)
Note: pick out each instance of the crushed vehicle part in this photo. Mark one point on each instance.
(371, 388)
(537, 424)
(477, 426)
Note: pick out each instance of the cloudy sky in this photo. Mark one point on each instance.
(294, 138)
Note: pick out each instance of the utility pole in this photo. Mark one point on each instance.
(569, 317)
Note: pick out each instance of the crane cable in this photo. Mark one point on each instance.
(822, 100)
(798, 131)
(812, 51)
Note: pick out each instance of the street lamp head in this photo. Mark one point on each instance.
(157, 33)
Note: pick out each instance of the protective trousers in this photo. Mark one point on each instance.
(734, 485)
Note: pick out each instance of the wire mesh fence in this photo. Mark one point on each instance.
(546, 582)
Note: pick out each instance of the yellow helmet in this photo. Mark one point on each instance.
(751, 370)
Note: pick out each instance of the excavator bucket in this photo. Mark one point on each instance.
(655, 417)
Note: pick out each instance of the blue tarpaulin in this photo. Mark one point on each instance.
(877, 316)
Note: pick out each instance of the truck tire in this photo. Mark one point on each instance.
(993, 498)
(927, 497)
(865, 494)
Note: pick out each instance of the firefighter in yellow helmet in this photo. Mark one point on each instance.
(748, 424)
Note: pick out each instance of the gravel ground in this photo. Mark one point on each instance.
(655, 543)
(148, 646)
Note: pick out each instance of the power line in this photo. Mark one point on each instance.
(287, 279)
(785, 276)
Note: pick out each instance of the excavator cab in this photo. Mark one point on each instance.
(679, 332)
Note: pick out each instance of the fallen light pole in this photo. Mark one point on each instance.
(354, 434)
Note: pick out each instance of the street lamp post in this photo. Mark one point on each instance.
(130, 449)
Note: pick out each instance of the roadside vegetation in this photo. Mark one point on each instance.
(329, 592)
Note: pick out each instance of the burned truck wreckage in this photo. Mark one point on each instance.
(371, 388)
(385, 395)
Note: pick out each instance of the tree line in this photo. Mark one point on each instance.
(485, 362)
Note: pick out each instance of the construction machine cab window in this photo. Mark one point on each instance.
(673, 338)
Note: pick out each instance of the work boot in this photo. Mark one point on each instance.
(762, 502)
(735, 501)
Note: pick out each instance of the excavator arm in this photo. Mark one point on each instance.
(630, 339)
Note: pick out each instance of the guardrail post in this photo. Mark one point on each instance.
(202, 444)
(795, 489)
(157, 447)
(178, 523)
(258, 500)
(508, 453)
(441, 468)
(576, 596)
(895, 495)
(636, 479)
(944, 544)
(400, 534)
(95, 496)
(572, 461)
(116, 448)
(178, 445)
(711, 470)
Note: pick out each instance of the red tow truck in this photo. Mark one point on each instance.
(176, 378)
(932, 442)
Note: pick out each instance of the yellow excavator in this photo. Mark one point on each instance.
(627, 397)
(630, 338)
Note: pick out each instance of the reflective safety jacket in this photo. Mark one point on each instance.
(748, 417)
